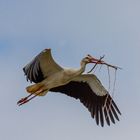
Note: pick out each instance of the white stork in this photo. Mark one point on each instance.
(49, 76)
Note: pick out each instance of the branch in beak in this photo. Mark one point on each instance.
(99, 61)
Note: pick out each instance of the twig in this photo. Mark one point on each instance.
(96, 64)
(104, 63)
(108, 78)
(114, 84)
(112, 66)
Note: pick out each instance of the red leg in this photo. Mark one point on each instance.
(27, 99)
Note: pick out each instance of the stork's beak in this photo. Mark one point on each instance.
(95, 60)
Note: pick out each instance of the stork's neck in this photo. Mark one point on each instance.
(72, 73)
(82, 68)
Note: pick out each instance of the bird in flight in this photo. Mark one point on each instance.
(47, 75)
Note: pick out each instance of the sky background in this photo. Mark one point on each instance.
(72, 29)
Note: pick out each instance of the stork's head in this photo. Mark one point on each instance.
(90, 59)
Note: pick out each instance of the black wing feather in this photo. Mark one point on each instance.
(106, 116)
(94, 103)
(33, 71)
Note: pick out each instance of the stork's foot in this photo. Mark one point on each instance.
(23, 100)
(27, 99)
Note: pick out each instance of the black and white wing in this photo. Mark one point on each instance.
(89, 90)
(41, 67)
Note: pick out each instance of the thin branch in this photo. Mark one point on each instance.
(112, 66)
(114, 84)
(109, 81)
(96, 64)
(103, 63)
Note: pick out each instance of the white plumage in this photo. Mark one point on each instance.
(49, 76)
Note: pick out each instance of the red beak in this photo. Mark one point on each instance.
(94, 60)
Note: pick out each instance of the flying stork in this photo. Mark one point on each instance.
(49, 76)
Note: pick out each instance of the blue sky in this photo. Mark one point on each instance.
(72, 29)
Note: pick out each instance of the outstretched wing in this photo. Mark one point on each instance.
(41, 67)
(89, 90)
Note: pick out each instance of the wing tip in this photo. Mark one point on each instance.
(23, 69)
(47, 49)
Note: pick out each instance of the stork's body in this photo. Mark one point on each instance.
(49, 76)
(57, 79)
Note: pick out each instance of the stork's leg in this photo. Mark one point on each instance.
(34, 88)
(24, 100)
(37, 88)
(43, 93)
